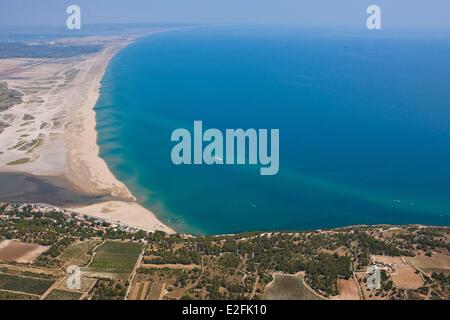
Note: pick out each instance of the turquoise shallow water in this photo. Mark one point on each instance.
(363, 121)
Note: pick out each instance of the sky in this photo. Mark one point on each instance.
(395, 13)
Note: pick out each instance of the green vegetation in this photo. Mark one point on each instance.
(289, 287)
(24, 284)
(443, 280)
(8, 97)
(121, 248)
(229, 260)
(324, 270)
(18, 161)
(47, 259)
(239, 266)
(27, 224)
(113, 263)
(116, 257)
(155, 291)
(78, 253)
(216, 267)
(63, 295)
(6, 295)
(109, 290)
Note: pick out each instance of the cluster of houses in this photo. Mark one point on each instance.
(390, 268)
(82, 219)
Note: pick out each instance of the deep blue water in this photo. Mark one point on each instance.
(364, 120)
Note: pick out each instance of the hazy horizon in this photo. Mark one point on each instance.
(314, 13)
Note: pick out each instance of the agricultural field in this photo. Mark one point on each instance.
(302, 265)
(156, 291)
(436, 263)
(289, 287)
(63, 295)
(78, 253)
(402, 274)
(147, 291)
(24, 284)
(120, 248)
(7, 295)
(139, 291)
(348, 290)
(17, 251)
(321, 264)
(86, 283)
(407, 278)
(115, 257)
(164, 283)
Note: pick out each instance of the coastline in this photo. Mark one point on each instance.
(84, 167)
(89, 159)
(59, 100)
(62, 135)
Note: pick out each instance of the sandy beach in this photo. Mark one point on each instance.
(52, 132)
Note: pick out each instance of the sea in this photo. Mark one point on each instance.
(363, 116)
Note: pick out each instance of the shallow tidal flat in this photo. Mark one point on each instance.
(38, 112)
(17, 187)
(35, 113)
(8, 97)
(47, 125)
(48, 138)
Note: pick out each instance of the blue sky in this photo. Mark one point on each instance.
(395, 13)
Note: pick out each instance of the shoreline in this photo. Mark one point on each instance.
(57, 120)
(247, 233)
